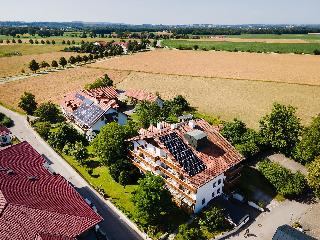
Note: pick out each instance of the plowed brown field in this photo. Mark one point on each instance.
(287, 68)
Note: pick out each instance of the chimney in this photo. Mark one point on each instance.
(192, 124)
(159, 125)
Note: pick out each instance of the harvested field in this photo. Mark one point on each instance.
(285, 68)
(13, 65)
(246, 100)
(29, 49)
(53, 86)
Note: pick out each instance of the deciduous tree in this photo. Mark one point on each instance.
(34, 66)
(314, 176)
(28, 103)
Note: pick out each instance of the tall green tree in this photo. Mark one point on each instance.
(49, 112)
(72, 60)
(149, 114)
(314, 176)
(63, 62)
(309, 146)
(281, 128)
(152, 200)
(28, 103)
(109, 145)
(105, 81)
(34, 66)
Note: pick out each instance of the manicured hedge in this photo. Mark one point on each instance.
(285, 182)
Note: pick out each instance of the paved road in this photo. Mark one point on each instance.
(115, 224)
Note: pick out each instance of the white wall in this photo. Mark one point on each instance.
(206, 191)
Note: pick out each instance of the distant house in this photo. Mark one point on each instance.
(101, 43)
(5, 135)
(124, 46)
(195, 161)
(90, 110)
(141, 95)
(285, 232)
(36, 204)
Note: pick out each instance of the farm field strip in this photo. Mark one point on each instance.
(306, 48)
(282, 68)
(246, 100)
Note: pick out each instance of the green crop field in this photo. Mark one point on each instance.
(299, 48)
(278, 36)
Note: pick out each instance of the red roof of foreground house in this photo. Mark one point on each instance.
(4, 130)
(34, 204)
(218, 156)
(141, 95)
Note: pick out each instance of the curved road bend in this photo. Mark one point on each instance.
(115, 224)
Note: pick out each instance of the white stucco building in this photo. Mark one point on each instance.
(90, 110)
(195, 161)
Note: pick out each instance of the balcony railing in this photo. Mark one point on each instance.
(171, 175)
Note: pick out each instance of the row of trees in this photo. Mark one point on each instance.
(35, 66)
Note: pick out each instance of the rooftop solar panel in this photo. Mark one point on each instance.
(88, 114)
(183, 154)
(80, 96)
(88, 101)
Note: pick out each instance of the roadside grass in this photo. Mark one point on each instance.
(251, 180)
(28, 49)
(299, 48)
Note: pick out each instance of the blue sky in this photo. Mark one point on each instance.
(164, 11)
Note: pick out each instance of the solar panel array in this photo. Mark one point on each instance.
(80, 96)
(183, 154)
(88, 113)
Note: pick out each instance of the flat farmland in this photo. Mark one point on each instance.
(286, 68)
(247, 46)
(28, 49)
(246, 100)
(13, 65)
(53, 86)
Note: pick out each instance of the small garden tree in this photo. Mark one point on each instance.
(213, 219)
(314, 176)
(152, 200)
(189, 233)
(28, 103)
(281, 128)
(80, 152)
(34, 66)
(43, 128)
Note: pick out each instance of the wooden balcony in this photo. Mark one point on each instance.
(180, 191)
(133, 154)
(176, 178)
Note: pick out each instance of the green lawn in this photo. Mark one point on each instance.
(298, 48)
(119, 195)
